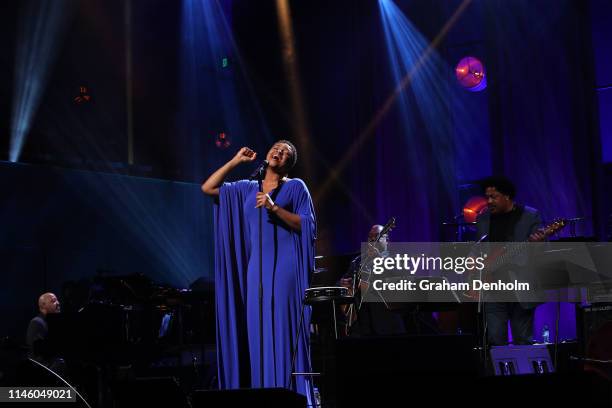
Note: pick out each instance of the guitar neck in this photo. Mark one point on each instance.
(520, 246)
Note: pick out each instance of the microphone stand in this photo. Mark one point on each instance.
(260, 177)
(481, 322)
(259, 174)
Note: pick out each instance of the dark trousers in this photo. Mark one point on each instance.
(521, 323)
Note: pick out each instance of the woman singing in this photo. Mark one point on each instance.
(288, 234)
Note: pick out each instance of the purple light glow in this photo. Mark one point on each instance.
(471, 75)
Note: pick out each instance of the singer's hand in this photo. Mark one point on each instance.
(263, 200)
(244, 155)
(213, 183)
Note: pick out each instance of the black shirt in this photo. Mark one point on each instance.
(501, 228)
(36, 335)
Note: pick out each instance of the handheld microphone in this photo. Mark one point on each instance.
(259, 171)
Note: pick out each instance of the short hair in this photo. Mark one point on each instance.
(293, 152)
(501, 184)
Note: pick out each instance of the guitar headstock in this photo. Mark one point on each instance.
(386, 228)
(554, 227)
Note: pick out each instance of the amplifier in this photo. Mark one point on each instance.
(595, 331)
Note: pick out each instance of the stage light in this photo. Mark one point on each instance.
(83, 96)
(471, 74)
(223, 140)
(473, 208)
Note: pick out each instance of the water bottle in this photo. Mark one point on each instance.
(317, 396)
(545, 334)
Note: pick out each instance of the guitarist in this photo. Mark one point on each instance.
(372, 318)
(507, 221)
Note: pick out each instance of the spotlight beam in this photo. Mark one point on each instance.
(289, 54)
(40, 26)
(299, 119)
(368, 131)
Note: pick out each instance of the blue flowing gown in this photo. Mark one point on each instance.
(288, 259)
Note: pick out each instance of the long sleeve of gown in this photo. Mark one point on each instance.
(231, 260)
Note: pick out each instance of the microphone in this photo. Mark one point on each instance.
(259, 171)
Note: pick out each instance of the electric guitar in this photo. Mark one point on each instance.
(503, 256)
(352, 311)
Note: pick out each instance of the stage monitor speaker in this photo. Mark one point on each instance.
(515, 360)
(267, 397)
